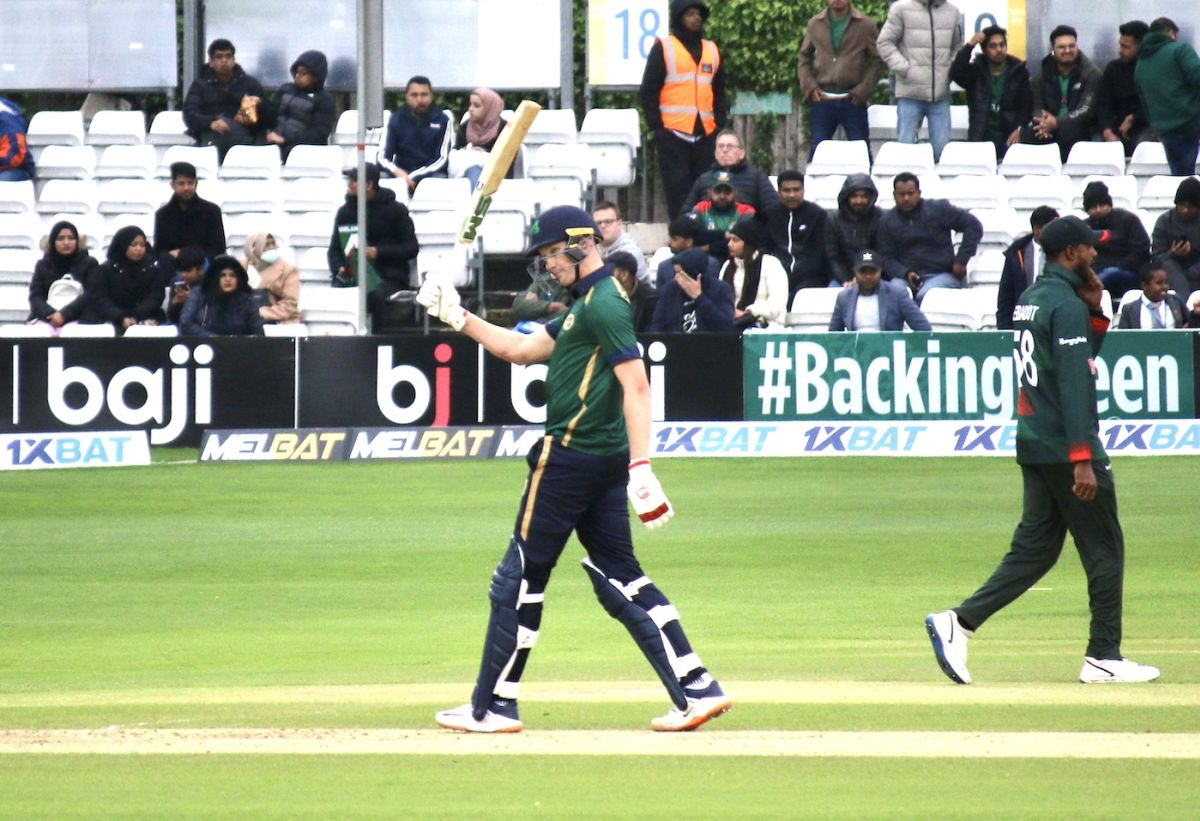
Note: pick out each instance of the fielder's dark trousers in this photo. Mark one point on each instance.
(680, 162)
(1050, 511)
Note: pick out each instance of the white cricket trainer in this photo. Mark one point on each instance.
(1115, 671)
(462, 720)
(708, 702)
(949, 641)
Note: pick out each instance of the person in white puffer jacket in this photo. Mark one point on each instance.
(918, 42)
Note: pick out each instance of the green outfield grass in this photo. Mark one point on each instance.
(186, 596)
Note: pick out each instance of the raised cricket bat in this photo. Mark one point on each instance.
(494, 170)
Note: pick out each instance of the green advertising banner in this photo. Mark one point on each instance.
(931, 376)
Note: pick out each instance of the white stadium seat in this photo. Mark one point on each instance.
(953, 309)
(960, 158)
(311, 230)
(14, 303)
(313, 263)
(250, 162)
(563, 173)
(440, 194)
(238, 196)
(66, 162)
(16, 196)
(169, 128)
(16, 265)
(329, 311)
(614, 136)
(152, 331)
(128, 197)
(22, 230)
(19, 330)
(1100, 158)
(970, 191)
(985, 267)
(1022, 159)
(204, 157)
(1028, 192)
(1122, 189)
(68, 197)
(313, 194)
(1159, 193)
(840, 157)
(1149, 160)
(117, 128)
(893, 158)
(314, 161)
(824, 190)
(127, 162)
(812, 308)
(74, 329)
(506, 225)
(553, 125)
(55, 128)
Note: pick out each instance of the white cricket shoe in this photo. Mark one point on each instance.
(500, 718)
(949, 644)
(1105, 671)
(708, 702)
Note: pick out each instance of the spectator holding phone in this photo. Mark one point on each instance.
(189, 269)
(1175, 241)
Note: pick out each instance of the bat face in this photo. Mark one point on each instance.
(499, 160)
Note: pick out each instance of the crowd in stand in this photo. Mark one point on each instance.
(741, 246)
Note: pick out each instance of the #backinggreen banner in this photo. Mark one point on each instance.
(872, 376)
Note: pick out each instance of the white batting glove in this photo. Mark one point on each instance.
(441, 299)
(646, 495)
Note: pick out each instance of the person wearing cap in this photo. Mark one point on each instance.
(596, 451)
(853, 226)
(1157, 308)
(1068, 480)
(693, 300)
(916, 239)
(757, 279)
(753, 187)
(1123, 247)
(1175, 240)
(683, 232)
(721, 209)
(642, 298)
(391, 241)
(223, 305)
(614, 237)
(1023, 259)
(186, 219)
(683, 99)
(871, 303)
(796, 234)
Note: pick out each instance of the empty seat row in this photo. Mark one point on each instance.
(82, 162)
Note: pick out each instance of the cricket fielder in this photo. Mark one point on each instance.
(595, 448)
(1058, 329)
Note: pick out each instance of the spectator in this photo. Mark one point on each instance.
(682, 233)
(720, 211)
(918, 42)
(543, 300)
(477, 134)
(999, 100)
(1119, 109)
(302, 111)
(1157, 308)
(796, 234)
(1023, 261)
(839, 67)
(16, 163)
(1168, 77)
(853, 226)
(683, 99)
(1175, 240)
(278, 280)
(223, 304)
(753, 186)
(391, 242)
(187, 219)
(871, 303)
(56, 291)
(642, 298)
(614, 237)
(1064, 95)
(418, 136)
(222, 105)
(694, 301)
(759, 283)
(916, 239)
(1122, 246)
(189, 271)
(127, 289)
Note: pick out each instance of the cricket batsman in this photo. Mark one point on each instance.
(595, 450)
(1068, 480)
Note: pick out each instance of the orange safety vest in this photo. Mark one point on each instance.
(687, 90)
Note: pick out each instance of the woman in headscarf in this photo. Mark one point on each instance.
(277, 276)
(760, 285)
(128, 289)
(479, 131)
(65, 255)
(223, 304)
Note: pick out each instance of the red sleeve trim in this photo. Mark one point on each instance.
(1079, 452)
(1100, 323)
(1024, 406)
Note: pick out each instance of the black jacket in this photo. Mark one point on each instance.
(923, 240)
(209, 99)
(752, 185)
(713, 308)
(52, 267)
(199, 224)
(1082, 91)
(1014, 279)
(1124, 243)
(208, 312)
(975, 76)
(797, 239)
(847, 233)
(303, 117)
(122, 288)
(389, 228)
(1118, 98)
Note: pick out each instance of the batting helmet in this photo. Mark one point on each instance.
(561, 223)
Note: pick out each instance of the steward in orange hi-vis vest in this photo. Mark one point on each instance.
(687, 92)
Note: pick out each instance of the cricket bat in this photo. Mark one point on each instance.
(494, 170)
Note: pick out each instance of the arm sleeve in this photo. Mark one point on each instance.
(653, 77)
(288, 303)
(1160, 239)
(833, 251)
(972, 231)
(387, 158)
(613, 325)
(1085, 110)
(1105, 118)
(889, 41)
(1024, 102)
(189, 324)
(150, 304)
(335, 255)
(1125, 320)
(1004, 297)
(806, 69)
(720, 99)
(913, 316)
(73, 311)
(960, 69)
(443, 155)
(837, 321)
(770, 303)
(97, 288)
(39, 286)
(1069, 330)
(1189, 64)
(214, 241)
(715, 305)
(1135, 246)
(893, 268)
(193, 117)
(405, 245)
(874, 68)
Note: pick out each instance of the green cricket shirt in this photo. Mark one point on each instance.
(1055, 339)
(585, 402)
